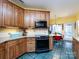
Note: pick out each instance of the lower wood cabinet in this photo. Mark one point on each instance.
(50, 43)
(11, 50)
(2, 51)
(30, 44)
(22, 45)
(76, 48)
(16, 48)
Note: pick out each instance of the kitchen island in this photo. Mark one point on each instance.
(13, 48)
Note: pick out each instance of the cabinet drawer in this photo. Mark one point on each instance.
(30, 49)
(21, 40)
(30, 45)
(30, 42)
(10, 43)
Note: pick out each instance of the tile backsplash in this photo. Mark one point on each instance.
(10, 32)
(36, 32)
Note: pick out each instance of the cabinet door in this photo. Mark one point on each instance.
(1, 22)
(11, 50)
(47, 18)
(32, 19)
(26, 19)
(10, 17)
(30, 44)
(20, 20)
(17, 53)
(50, 43)
(15, 15)
(4, 5)
(25, 45)
(2, 51)
(42, 16)
(37, 16)
(22, 46)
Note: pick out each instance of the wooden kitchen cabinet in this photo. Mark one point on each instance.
(4, 10)
(76, 48)
(50, 43)
(32, 19)
(10, 14)
(31, 16)
(29, 19)
(20, 19)
(1, 18)
(22, 44)
(2, 51)
(11, 50)
(7, 12)
(26, 19)
(9, 20)
(30, 44)
(37, 16)
(42, 16)
(47, 18)
(16, 48)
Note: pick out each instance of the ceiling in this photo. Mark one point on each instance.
(60, 8)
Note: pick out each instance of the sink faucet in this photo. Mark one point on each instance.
(10, 34)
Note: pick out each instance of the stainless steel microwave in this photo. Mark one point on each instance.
(41, 24)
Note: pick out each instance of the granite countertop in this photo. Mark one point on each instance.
(6, 39)
(77, 38)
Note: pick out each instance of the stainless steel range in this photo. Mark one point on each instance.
(42, 43)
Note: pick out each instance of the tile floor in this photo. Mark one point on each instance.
(62, 51)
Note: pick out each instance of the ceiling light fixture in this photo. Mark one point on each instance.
(21, 1)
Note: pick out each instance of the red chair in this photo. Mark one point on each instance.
(57, 38)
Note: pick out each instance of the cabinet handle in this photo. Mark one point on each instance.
(30, 43)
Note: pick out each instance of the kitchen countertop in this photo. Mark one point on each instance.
(77, 38)
(6, 39)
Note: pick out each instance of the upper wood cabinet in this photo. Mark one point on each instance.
(30, 16)
(20, 15)
(42, 16)
(10, 14)
(26, 18)
(47, 18)
(1, 18)
(9, 20)
(16, 16)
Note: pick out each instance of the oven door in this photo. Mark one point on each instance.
(42, 44)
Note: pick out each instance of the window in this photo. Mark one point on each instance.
(77, 26)
(68, 29)
(56, 28)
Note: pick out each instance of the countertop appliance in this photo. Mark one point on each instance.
(41, 24)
